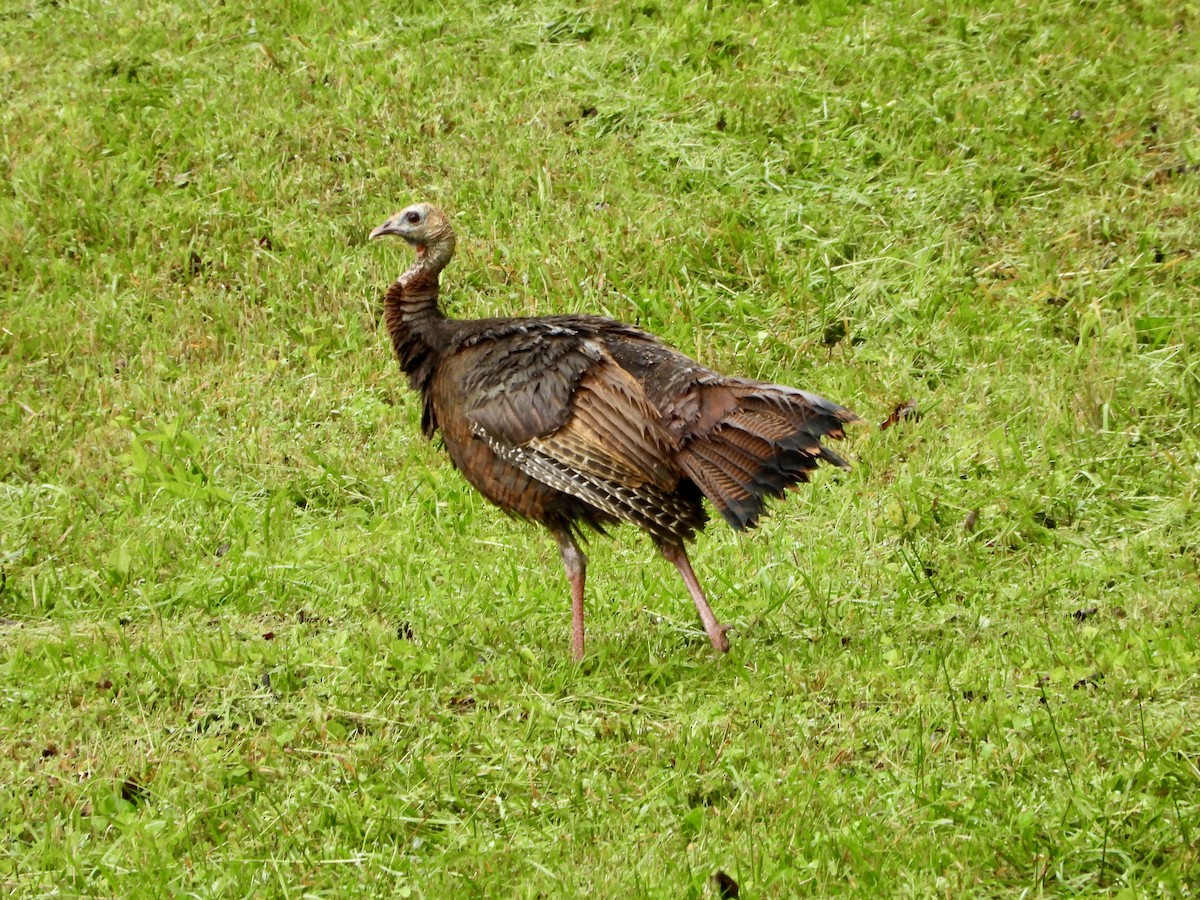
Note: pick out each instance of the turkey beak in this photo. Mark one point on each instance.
(388, 227)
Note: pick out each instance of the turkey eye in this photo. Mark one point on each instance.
(412, 218)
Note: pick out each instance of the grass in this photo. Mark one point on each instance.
(257, 637)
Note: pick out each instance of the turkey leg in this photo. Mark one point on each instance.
(679, 558)
(576, 565)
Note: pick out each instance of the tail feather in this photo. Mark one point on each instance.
(734, 500)
(766, 425)
(833, 459)
(769, 441)
(713, 483)
(746, 471)
(713, 462)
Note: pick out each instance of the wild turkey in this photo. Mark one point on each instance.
(577, 420)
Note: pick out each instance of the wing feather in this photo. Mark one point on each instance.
(601, 441)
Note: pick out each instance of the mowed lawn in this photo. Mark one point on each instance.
(258, 638)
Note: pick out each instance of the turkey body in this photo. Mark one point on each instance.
(580, 422)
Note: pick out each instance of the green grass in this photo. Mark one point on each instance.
(258, 638)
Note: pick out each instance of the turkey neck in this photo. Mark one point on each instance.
(410, 309)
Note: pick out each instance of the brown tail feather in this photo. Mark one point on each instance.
(767, 443)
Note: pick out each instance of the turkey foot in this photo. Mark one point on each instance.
(716, 631)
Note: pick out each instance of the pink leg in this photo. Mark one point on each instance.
(576, 565)
(716, 631)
